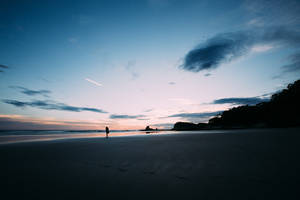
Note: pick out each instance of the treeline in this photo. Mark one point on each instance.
(283, 110)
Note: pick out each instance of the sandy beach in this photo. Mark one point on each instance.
(238, 164)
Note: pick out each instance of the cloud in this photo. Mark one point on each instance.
(241, 101)
(50, 105)
(2, 67)
(45, 80)
(171, 83)
(269, 94)
(93, 82)
(261, 48)
(126, 116)
(256, 22)
(142, 119)
(19, 122)
(148, 110)
(196, 115)
(226, 47)
(294, 65)
(32, 92)
(8, 123)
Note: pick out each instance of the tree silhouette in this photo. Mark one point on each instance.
(283, 110)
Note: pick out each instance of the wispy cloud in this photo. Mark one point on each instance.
(126, 116)
(148, 110)
(256, 22)
(19, 122)
(50, 105)
(226, 47)
(196, 115)
(262, 48)
(171, 83)
(93, 82)
(143, 119)
(3, 67)
(294, 65)
(241, 101)
(30, 92)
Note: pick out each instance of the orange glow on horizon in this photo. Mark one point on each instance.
(54, 124)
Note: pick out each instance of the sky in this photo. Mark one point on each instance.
(131, 63)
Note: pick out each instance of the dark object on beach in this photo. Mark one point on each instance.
(187, 126)
(107, 131)
(149, 129)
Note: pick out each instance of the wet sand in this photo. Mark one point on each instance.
(238, 164)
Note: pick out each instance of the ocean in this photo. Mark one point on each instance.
(7, 137)
(47, 135)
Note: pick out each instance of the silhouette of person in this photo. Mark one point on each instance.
(107, 131)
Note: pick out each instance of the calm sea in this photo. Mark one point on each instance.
(30, 136)
(7, 137)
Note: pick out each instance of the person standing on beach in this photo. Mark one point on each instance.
(107, 131)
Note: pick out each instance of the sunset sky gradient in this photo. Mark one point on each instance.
(129, 64)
